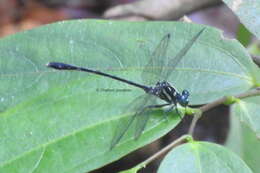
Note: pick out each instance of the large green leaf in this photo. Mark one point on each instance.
(51, 119)
(98, 44)
(202, 157)
(248, 12)
(57, 130)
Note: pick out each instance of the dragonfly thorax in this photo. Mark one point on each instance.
(168, 93)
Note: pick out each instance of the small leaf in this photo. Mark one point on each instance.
(247, 110)
(202, 157)
(248, 12)
(242, 141)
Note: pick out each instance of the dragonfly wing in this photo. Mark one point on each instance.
(124, 124)
(152, 71)
(121, 129)
(141, 121)
(174, 61)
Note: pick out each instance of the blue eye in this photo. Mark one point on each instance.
(185, 93)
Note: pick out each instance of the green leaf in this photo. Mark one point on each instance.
(58, 130)
(243, 141)
(247, 111)
(65, 120)
(202, 157)
(86, 43)
(248, 12)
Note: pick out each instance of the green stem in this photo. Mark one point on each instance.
(220, 101)
(163, 151)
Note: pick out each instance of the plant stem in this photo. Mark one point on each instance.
(163, 151)
(196, 117)
(220, 101)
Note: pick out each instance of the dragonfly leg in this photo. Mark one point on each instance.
(177, 111)
(142, 118)
(160, 106)
(167, 111)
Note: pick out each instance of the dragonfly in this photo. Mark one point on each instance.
(156, 71)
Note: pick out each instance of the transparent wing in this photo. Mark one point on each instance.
(144, 114)
(174, 61)
(135, 107)
(141, 121)
(152, 71)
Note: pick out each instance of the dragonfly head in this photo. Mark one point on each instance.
(183, 98)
